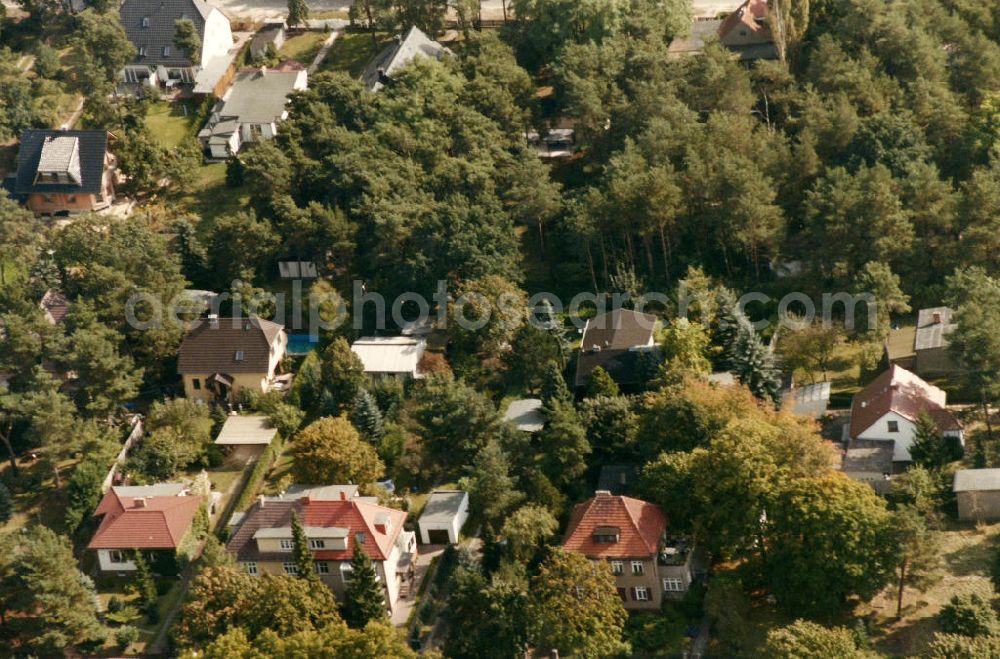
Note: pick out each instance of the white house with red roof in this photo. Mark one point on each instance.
(887, 410)
(155, 520)
(335, 520)
(631, 536)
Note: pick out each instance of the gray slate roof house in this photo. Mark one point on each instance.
(52, 161)
(397, 55)
(150, 25)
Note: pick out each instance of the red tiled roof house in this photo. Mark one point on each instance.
(887, 410)
(334, 525)
(630, 535)
(156, 520)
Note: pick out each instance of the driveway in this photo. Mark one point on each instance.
(405, 604)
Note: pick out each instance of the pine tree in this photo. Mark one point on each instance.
(366, 417)
(6, 504)
(363, 599)
(725, 332)
(929, 448)
(601, 384)
(144, 583)
(298, 12)
(301, 555)
(753, 364)
(554, 385)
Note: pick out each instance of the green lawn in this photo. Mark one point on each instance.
(171, 123)
(209, 197)
(303, 47)
(352, 50)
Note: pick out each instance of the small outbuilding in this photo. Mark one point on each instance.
(443, 517)
(390, 355)
(978, 494)
(526, 414)
(246, 430)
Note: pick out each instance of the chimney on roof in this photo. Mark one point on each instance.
(139, 502)
(343, 495)
(260, 499)
(304, 500)
(937, 317)
(382, 523)
(602, 493)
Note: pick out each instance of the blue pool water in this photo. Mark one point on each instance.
(301, 344)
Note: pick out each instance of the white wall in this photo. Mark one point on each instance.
(903, 439)
(218, 38)
(104, 559)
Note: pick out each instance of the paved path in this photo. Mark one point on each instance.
(700, 644)
(324, 49)
(76, 114)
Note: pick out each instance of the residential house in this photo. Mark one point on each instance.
(978, 494)
(526, 415)
(403, 50)
(745, 31)
(55, 306)
(870, 461)
(887, 410)
(220, 356)
(334, 523)
(443, 516)
(65, 172)
(927, 352)
(153, 519)
(268, 41)
(616, 341)
(151, 26)
(250, 111)
(391, 355)
(631, 536)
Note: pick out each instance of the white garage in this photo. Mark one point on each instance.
(443, 517)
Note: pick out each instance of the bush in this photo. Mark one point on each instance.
(126, 636)
(256, 478)
(115, 604)
(969, 615)
(214, 457)
(83, 492)
(47, 63)
(152, 613)
(6, 504)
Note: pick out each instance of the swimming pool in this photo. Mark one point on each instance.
(301, 344)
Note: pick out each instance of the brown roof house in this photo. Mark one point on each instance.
(927, 354)
(153, 519)
(335, 521)
(631, 535)
(615, 341)
(221, 356)
(887, 410)
(745, 32)
(978, 494)
(65, 172)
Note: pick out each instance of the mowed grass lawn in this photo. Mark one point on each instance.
(209, 197)
(171, 123)
(352, 50)
(302, 47)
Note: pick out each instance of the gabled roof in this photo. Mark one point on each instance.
(443, 505)
(55, 305)
(162, 16)
(81, 151)
(900, 391)
(933, 333)
(155, 521)
(750, 16)
(389, 354)
(357, 517)
(977, 480)
(608, 341)
(398, 54)
(259, 96)
(244, 430)
(212, 348)
(640, 527)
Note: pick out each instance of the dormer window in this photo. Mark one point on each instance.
(360, 537)
(142, 51)
(166, 51)
(606, 535)
(317, 544)
(239, 355)
(145, 21)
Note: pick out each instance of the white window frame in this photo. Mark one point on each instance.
(250, 567)
(286, 544)
(290, 568)
(641, 594)
(117, 556)
(346, 572)
(638, 569)
(617, 568)
(673, 585)
(322, 567)
(317, 544)
(892, 426)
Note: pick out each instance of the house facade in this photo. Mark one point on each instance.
(334, 523)
(151, 25)
(155, 520)
(251, 110)
(65, 172)
(888, 408)
(631, 536)
(221, 356)
(443, 516)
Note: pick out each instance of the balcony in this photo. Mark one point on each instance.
(674, 550)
